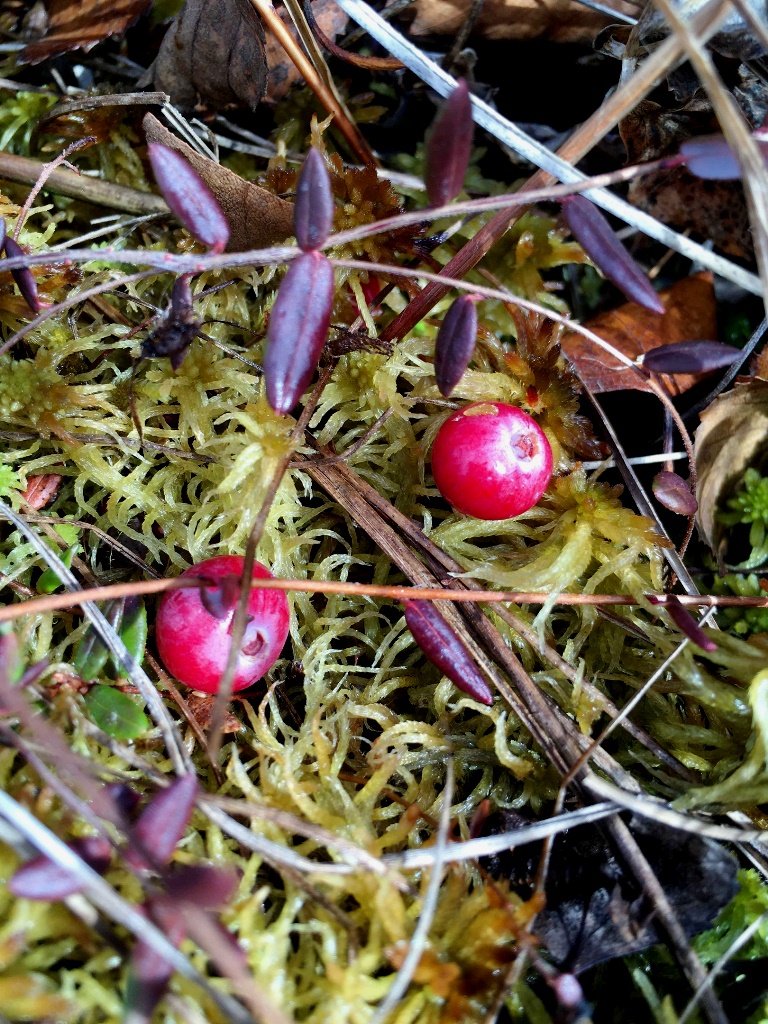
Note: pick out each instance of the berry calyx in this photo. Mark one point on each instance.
(491, 461)
(194, 643)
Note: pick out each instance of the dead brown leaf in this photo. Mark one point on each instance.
(282, 73)
(257, 218)
(563, 21)
(733, 432)
(201, 706)
(714, 209)
(41, 490)
(80, 24)
(690, 316)
(213, 53)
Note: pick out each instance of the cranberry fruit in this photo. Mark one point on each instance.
(491, 461)
(194, 644)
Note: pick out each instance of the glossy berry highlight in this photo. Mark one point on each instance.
(491, 461)
(194, 643)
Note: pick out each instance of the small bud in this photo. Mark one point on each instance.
(449, 146)
(690, 357)
(455, 343)
(189, 197)
(23, 276)
(444, 649)
(313, 210)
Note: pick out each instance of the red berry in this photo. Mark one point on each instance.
(491, 461)
(194, 644)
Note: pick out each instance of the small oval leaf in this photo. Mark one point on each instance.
(449, 146)
(189, 197)
(711, 157)
(23, 276)
(313, 209)
(455, 343)
(298, 327)
(116, 713)
(444, 649)
(674, 493)
(690, 357)
(685, 622)
(606, 250)
(43, 879)
(133, 633)
(92, 653)
(162, 824)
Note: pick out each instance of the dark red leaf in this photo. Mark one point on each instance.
(189, 197)
(149, 972)
(606, 250)
(206, 887)
(298, 327)
(455, 343)
(710, 157)
(125, 799)
(441, 645)
(162, 824)
(313, 209)
(449, 146)
(685, 622)
(690, 357)
(23, 276)
(44, 879)
(218, 597)
(3, 232)
(674, 493)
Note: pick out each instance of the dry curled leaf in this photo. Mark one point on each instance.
(41, 490)
(563, 21)
(80, 24)
(689, 316)
(732, 435)
(214, 53)
(256, 218)
(281, 71)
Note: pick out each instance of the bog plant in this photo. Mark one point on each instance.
(321, 465)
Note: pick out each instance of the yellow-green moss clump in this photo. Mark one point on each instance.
(356, 728)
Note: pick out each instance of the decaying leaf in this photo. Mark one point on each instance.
(563, 21)
(80, 24)
(256, 218)
(214, 53)
(732, 435)
(689, 316)
(41, 490)
(201, 706)
(281, 71)
(714, 209)
(595, 909)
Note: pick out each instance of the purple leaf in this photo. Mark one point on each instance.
(162, 824)
(23, 276)
(444, 649)
(710, 157)
(149, 972)
(690, 357)
(674, 493)
(206, 887)
(603, 246)
(684, 622)
(449, 146)
(189, 197)
(218, 596)
(3, 231)
(298, 327)
(313, 209)
(44, 879)
(125, 799)
(455, 343)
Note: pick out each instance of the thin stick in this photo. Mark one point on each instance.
(46, 170)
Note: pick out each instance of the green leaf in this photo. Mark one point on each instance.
(115, 712)
(92, 653)
(133, 633)
(49, 581)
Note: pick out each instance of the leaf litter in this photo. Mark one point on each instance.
(353, 729)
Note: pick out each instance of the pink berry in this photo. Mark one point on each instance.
(491, 461)
(194, 644)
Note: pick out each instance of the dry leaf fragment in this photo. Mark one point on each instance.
(689, 316)
(80, 24)
(256, 218)
(563, 21)
(281, 71)
(214, 53)
(733, 433)
(41, 490)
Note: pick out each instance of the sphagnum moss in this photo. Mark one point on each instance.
(356, 736)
